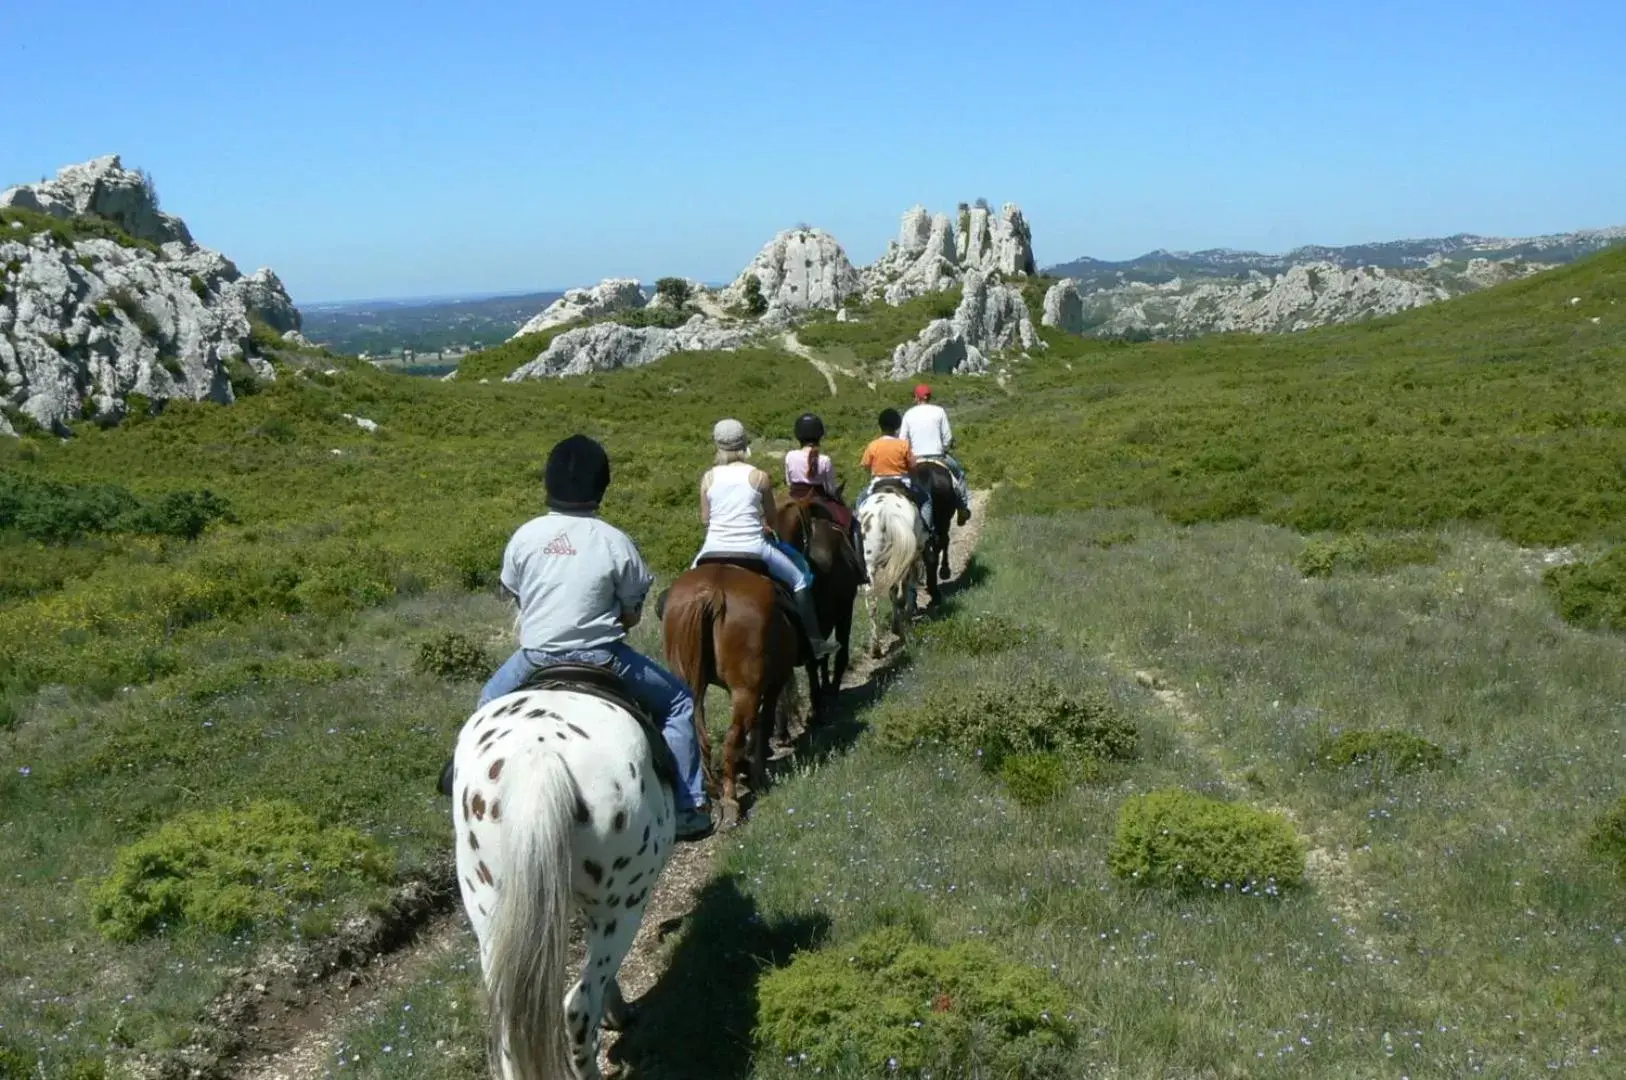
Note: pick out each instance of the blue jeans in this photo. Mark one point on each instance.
(655, 688)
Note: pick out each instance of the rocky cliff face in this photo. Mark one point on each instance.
(607, 346)
(801, 269)
(606, 298)
(103, 295)
(1064, 307)
(992, 318)
(932, 254)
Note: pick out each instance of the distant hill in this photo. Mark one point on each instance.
(381, 327)
(1160, 266)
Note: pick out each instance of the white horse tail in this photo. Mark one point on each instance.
(897, 545)
(530, 928)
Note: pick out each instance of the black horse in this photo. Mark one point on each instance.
(934, 478)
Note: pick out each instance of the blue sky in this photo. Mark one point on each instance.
(368, 149)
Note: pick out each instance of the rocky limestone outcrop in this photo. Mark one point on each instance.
(1304, 296)
(608, 346)
(86, 323)
(931, 254)
(992, 318)
(104, 188)
(800, 269)
(1064, 307)
(606, 298)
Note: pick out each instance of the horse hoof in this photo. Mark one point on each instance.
(627, 1017)
(731, 816)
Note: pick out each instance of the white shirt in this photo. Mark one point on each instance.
(926, 429)
(574, 575)
(734, 512)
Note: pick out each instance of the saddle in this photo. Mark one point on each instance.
(781, 592)
(606, 685)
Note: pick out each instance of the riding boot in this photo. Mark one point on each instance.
(858, 549)
(822, 646)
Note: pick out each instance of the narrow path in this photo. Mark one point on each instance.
(789, 340)
(309, 1034)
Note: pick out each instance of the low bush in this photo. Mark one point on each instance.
(52, 512)
(225, 870)
(887, 1004)
(1387, 750)
(1608, 838)
(975, 635)
(1360, 553)
(452, 655)
(1592, 595)
(1034, 779)
(997, 722)
(1179, 840)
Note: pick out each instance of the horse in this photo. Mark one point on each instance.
(934, 478)
(563, 797)
(808, 527)
(894, 541)
(723, 625)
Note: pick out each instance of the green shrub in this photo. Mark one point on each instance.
(127, 302)
(753, 301)
(1034, 779)
(1608, 838)
(1360, 553)
(886, 1004)
(501, 361)
(674, 290)
(975, 635)
(199, 288)
(451, 655)
(1394, 752)
(1026, 717)
(69, 231)
(668, 317)
(1592, 595)
(225, 870)
(53, 512)
(1179, 840)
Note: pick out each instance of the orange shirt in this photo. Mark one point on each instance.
(888, 456)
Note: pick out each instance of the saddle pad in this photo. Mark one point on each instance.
(606, 685)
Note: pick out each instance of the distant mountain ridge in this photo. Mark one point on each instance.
(1161, 265)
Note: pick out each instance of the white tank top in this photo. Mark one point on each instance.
(736, 520)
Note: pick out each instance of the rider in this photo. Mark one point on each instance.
(808, 472)
(580, 584)
(734, 500)
(889, 458)
(926, 429)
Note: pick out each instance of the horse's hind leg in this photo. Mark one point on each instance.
(741, 722)
(870, 600)
(609, 938)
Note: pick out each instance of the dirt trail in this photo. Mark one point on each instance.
(793, 345)
(299, 1041)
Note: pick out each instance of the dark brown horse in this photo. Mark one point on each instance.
(805, 523)
(934, 478)
(724, 626)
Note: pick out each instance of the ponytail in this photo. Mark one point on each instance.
(813, 465)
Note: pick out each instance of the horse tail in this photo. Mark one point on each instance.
(896, 554)
(530, 928)
(687, 631)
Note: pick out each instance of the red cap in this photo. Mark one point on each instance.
(922, 392)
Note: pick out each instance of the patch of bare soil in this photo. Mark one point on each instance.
(288, 1012)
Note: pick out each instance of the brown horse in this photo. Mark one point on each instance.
(723, 626)
(807, 525)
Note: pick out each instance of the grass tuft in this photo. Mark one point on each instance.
(1183, 841)
(1360, 553)
(451, 655)
(1394, 752)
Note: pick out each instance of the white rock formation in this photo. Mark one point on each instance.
(1304, 296)
(992, 318)
(1064, 307)
(800, 269)
(606, 298)
(105, 188)
(931, 254)
(608, 346)
(82, 326)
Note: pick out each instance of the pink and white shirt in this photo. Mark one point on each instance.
(796, 471)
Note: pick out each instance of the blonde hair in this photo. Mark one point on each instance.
(729, 457)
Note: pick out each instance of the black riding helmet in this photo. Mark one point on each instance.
(577, 475)
(809, 428)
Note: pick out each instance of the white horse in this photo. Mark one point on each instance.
(556, 797)
(894, 542)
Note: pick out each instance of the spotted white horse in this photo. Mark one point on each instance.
(557, 799)
(894, 543)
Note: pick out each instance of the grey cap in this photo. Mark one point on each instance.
(730, 435)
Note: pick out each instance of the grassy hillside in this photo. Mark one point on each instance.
(164, 652)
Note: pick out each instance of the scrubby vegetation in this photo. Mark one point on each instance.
(1185, 841)
(225, 870)
(451, 655)
(887, 1005)
(69, 231)
(1385, 750)
(873, 330)
(1361, 553)
(979, 634)
(1608, 838)
(1592, 594)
